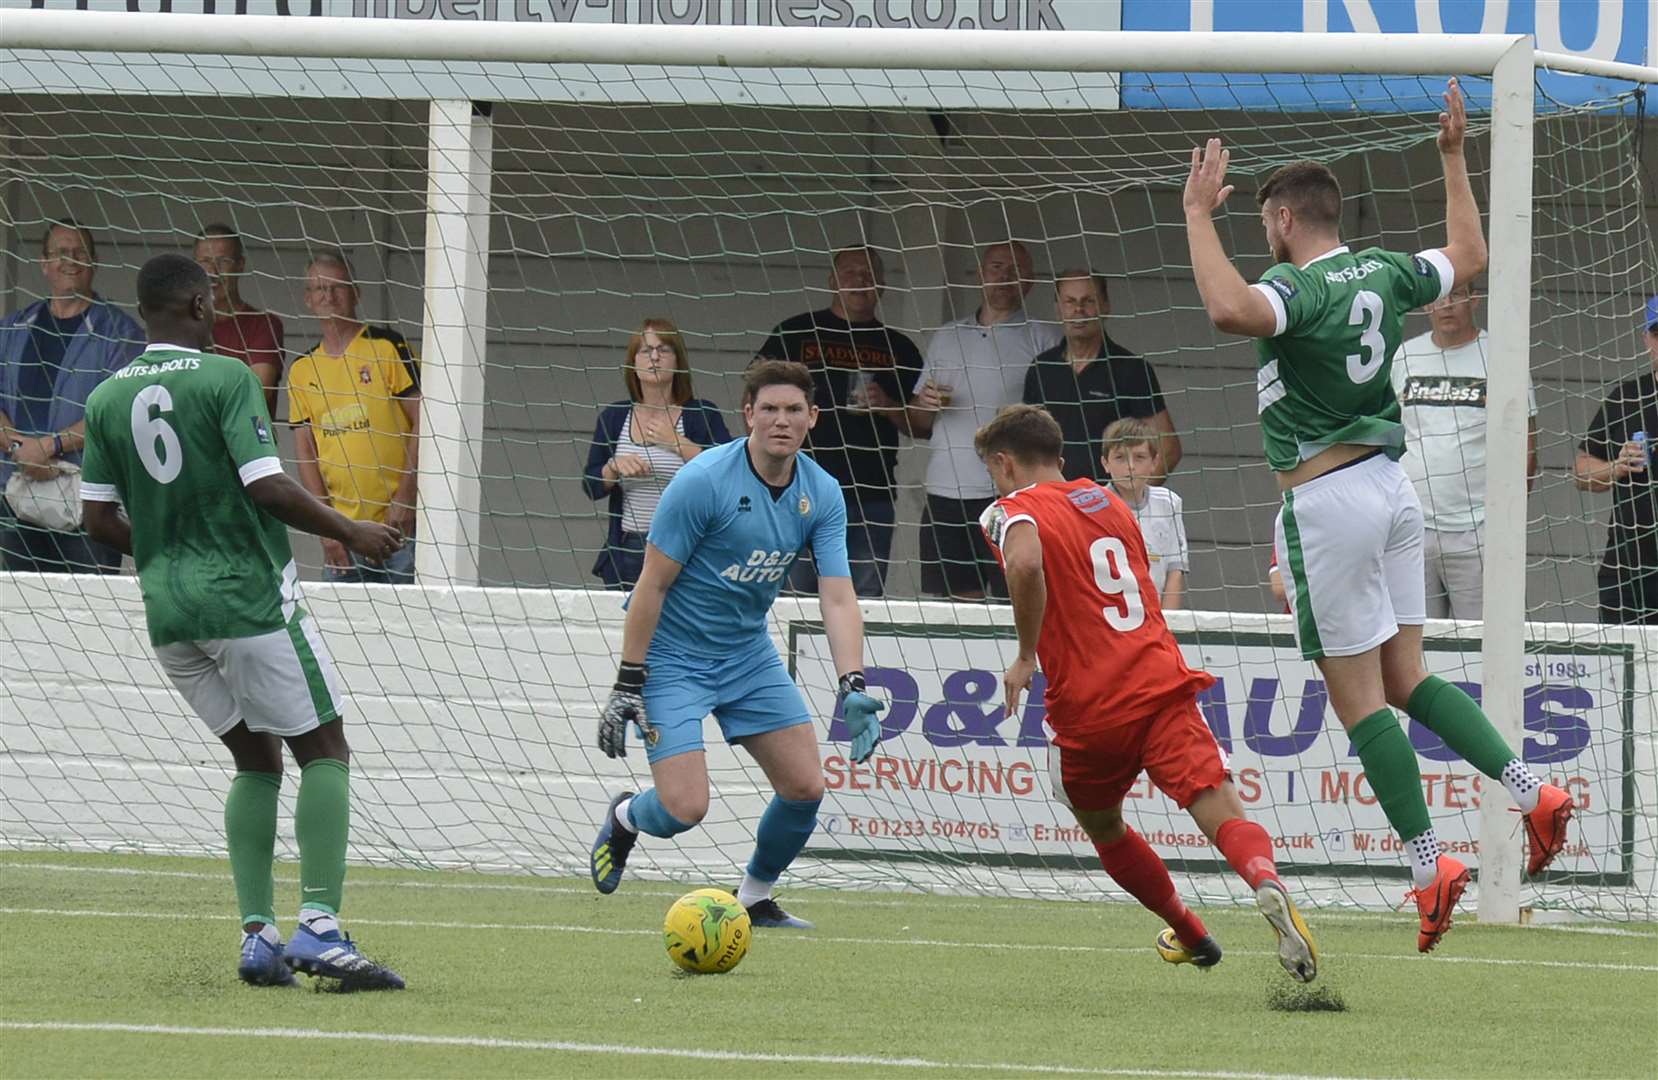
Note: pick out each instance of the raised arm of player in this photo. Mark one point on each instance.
(1464, 238)
(1028, 590)
(1231, 304)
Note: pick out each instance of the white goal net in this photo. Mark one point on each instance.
(516, 220)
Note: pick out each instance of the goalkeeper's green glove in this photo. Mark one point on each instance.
(860, 711)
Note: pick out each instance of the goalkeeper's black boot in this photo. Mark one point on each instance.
(767, 913)
(610, 849)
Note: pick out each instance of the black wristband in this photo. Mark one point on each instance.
(852, 683)
(631, 677)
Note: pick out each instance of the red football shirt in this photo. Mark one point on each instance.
(253, 337)
(1107, 653)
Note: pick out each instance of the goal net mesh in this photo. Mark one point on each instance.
(472, 706)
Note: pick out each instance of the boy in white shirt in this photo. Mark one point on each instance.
(1131, 458)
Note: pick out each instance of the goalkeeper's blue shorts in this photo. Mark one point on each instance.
(749, 694)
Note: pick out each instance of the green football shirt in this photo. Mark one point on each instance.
(1325, 375)
(175, 436)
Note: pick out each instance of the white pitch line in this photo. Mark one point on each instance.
(825, 939)
(1608, 931)
(810, 896)
(486, 1043)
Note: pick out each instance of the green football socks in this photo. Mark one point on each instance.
(250, 834)
(1447, 711)
(1390, 765)
(322, 822)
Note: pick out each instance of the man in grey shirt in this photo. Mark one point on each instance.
(974, 367)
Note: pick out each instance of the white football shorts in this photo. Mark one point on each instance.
(282, 682)
(1350, 551)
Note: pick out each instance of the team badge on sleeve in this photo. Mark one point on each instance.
(1284, 287)
(994, 522)
(261, 430)
(1423, 266)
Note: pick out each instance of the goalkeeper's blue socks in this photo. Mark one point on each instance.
(646, 814)
(784, 829)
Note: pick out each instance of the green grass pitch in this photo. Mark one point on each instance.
(124, 966)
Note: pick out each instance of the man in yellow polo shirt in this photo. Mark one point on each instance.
(354, 401)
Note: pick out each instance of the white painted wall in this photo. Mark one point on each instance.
(472, 713)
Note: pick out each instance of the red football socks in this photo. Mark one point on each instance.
(1136, 867)
(1249, 849)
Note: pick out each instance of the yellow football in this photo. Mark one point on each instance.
(707, 931)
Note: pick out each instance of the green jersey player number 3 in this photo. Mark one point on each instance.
(1324, 375)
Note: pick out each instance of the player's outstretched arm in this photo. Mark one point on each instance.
(1028, 591)
(1464, 238)
(1227, 298)
(843, 623)
(283, 499)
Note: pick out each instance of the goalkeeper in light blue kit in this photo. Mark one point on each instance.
(722, 541)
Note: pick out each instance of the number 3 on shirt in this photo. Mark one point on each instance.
(1115, 578)
(1366, 312)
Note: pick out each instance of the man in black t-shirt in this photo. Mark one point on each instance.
(1088, 382)
(864, 375)
(1617, 455)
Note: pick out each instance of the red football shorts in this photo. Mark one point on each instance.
(1174, 746)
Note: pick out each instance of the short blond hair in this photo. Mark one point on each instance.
(1129, 432)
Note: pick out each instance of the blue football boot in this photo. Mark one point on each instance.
(333, 956)
(609, 856)
(262, 963)
(769, 914)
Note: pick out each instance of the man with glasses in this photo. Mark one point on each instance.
(53, 353)
(354, 403)
(1616, 456)
(1439, 378)
(239, 329)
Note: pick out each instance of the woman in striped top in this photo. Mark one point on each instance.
(639, 444)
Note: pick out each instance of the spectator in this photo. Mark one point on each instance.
(239, 329)
(1131, 458)
(354, 401)
(1439, 378)
(1088, 381)
(1617, 455)
(52, 354)
(863, 374)
(974, 366)
(639, 444)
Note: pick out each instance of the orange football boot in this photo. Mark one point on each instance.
(1436, 902)
(1546, 828)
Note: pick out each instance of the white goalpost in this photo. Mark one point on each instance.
(516, 196)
